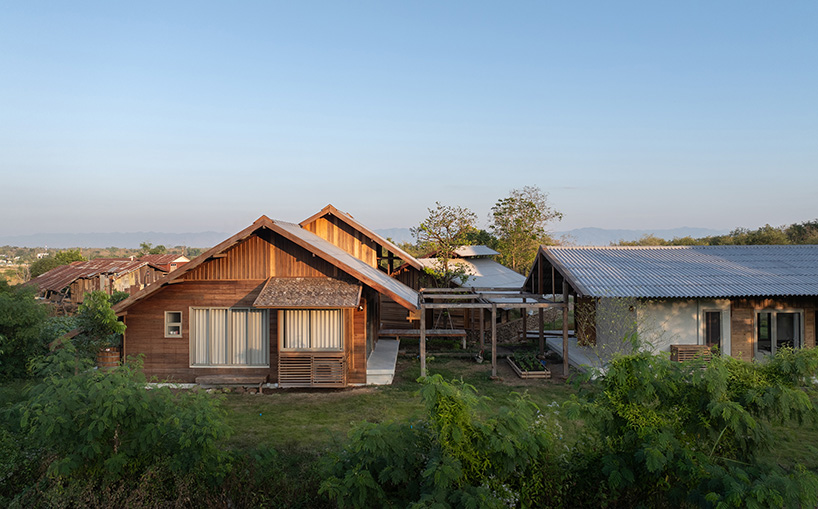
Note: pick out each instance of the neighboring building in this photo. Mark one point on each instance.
(165, 262)
(275, 302)
(68, 284)
(748, 301)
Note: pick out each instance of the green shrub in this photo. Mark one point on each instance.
(107, 425)
(449, 459)
(660, 433)
(21, 329)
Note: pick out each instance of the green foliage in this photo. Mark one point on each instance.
(21, 329)
(659, 432)
(449, 459)
(444, 230)
(47, 263)
(148, 248)
(108, 425)
(528, 361)
(519, 221)
(796, 233)
(118, 296)
(98, 323)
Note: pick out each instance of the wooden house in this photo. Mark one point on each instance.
(165, 262)
(342, 230)
(274, 303)
(748, 301)
(68, 284)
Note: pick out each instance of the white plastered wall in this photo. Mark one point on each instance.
(681, 322)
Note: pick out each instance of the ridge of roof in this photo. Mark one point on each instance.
(298, 235)
(351, 221)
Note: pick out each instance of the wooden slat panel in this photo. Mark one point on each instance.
(311, 369)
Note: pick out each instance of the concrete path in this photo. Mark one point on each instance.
(380, 367)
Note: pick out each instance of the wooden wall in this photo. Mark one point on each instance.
(337, 232)
(232, 281)
(742, 320)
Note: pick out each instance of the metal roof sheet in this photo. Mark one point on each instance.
(60, 277)
(689, 271)
(163, 259)
(469, 251)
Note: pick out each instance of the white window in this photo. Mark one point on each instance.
(313, 329)
(229, 337)
(173, 324)
(776, 329)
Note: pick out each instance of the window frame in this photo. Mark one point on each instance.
(774, 329)
(169, 324)
(265, 340)
(282, 326)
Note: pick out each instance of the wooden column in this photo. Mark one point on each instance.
(524, 312)
(482, 329)
(564, 328)
(494, 340)
(542, 330)
(422, 341)
(540, 313)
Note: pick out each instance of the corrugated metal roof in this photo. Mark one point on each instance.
(689, 271)
(313, 292)
(469, 251)
(353, 266)
(485, 273)
(60, 277)
(163, 259)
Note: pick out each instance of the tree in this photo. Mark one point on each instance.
(148, 248)
(444, 230)
(520, 222)
(98, 323)
(21, 329)
(47, 263)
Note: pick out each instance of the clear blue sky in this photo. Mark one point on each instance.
(193, 116)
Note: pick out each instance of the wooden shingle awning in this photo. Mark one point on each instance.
(309, 292)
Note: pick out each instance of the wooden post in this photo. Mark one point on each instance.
(524, 312)
(494, 340)
(422, 341)
(564, 328)
(542, 330)
(482, 329)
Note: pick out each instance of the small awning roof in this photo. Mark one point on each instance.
(308, 292)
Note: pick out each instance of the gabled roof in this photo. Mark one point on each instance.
(336, 256)
(470, 251)
(58, 278)
(301, 292)
(163, 259)
(483, 273)
(687, 271)
(374, 237)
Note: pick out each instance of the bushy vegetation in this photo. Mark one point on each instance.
(665, 434)
(24, 331)
(450, 458)
(59, 259)
(796, 233)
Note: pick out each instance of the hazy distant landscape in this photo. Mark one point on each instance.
(580, 237)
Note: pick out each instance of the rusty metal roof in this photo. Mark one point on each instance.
(163, 259)
(688, 271)
(308, 292)
(59, 278)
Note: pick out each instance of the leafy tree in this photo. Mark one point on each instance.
(107, 425)
(22, 319)
(98, 323)
(148, 248)
(803, 233)
(451, 458)
(665, 434)
(444, 230)
(520, 222)
(47, 263)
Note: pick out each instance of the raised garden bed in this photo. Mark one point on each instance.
(528, 366)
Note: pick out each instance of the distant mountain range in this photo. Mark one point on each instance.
(580, 237)
(125, 240)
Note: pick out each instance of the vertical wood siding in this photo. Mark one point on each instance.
(742, 322)
(338, 233)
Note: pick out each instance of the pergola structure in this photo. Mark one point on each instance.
(492, 299)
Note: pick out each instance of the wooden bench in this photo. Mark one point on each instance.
(681, 353)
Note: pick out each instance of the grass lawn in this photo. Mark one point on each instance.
(316, 419)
